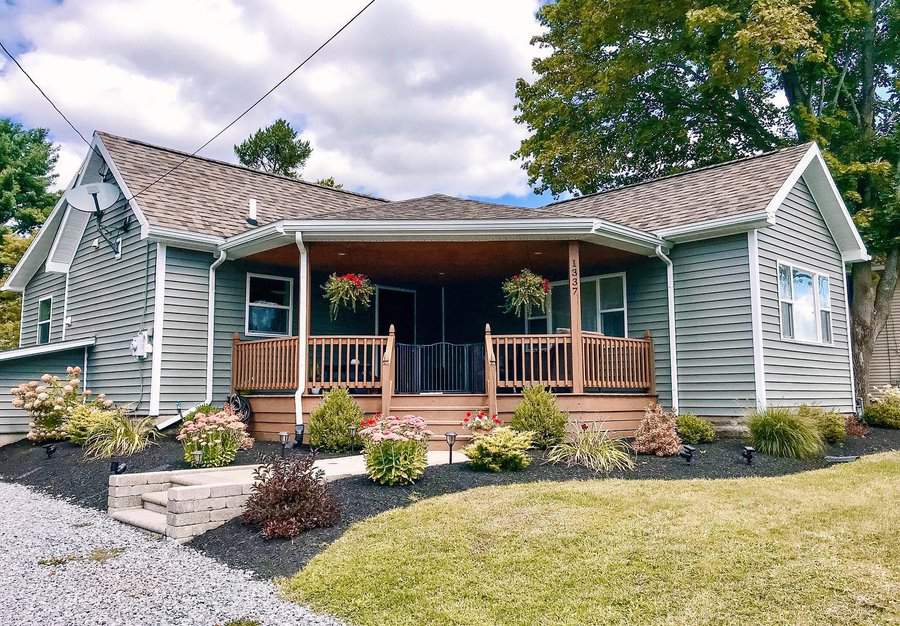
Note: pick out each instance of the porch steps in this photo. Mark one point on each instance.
(144, 519)
(155, 501)
(443, 413)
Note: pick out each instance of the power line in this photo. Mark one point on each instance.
(221, 132)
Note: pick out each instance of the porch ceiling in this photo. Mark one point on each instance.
(446, 261)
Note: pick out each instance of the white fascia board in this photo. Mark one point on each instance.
(181, 239)
(444, 230)
(120, 181)
(719, 227)
(47, 348)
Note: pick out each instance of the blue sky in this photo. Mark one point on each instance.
(414, 98)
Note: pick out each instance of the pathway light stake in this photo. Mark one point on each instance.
(298, 435)
(687, 453)
(353, 428)
(451, 439)
(197, 456)
(50, 449)
(748, 454)
(283, 438)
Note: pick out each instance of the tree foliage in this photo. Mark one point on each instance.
(12, 247)
(276, 149)
(631, 90)
(329, 182)
(27, 159)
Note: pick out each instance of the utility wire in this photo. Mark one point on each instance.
(218, 134)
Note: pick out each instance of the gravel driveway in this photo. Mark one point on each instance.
(63, 564)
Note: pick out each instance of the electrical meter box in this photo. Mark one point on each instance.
(140, 345)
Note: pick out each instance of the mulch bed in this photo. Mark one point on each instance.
(241, 547)
(68, 475)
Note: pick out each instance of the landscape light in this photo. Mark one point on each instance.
(748, 454)
(117, 467)
(451, 439)
(687, 453)
(298, 435)
(197, 456)
(353, 428)
(50, 449)
(283, 438)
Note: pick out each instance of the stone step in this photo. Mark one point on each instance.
(156, 501)
(143, 519)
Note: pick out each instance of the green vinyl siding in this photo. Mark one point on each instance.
(713, 325)
(803, 372)
(648, 309)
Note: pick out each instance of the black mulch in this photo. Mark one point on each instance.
(240, 546)
(69, 476)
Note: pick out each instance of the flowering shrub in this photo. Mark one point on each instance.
(395, 448)
(657, 433)
(48, 402)
(884, 407)
(218, 435)
(480, 423)
(348, 291)
(289, 496)
(504, 449)
(525, 291)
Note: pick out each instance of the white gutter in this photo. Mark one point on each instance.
(719, 227)
(47, 348)
(211, 324)
(302, 331)
(193, 241)
(759, 362)
(673, 354)
(159, 310)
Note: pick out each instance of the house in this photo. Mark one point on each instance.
(884, 368)
(714, 291)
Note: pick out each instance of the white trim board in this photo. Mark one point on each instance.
(47, 348)
(48, 322)
(159, 308)
(759, 363)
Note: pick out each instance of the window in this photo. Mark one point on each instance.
(603, 307)
(805, 304)
(45, 311)
(269, 305)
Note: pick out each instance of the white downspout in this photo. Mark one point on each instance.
(211, 324)
(302, 333)
(673, 354)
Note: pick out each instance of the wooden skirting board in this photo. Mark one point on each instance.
(620, 414)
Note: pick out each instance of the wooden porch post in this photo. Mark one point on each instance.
(490, 371)
(235, 340)
(651, 363)
(387, 374)
(575, 316)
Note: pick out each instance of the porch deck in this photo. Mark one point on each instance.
(609, 381)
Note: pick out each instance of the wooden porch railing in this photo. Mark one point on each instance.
(618, 362)
(265, 365)
(533, 360)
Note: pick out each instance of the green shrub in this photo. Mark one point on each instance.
(694, 430)
(504, 449)
(395, 449)
(329, 424)
(831, 424)
(218, 436)
(780, 431)
(594, 449)
(539, 414)
(206, 409)
(290, 496)
(656, 433)
(884, 408)
(120, 436)
(86, 419)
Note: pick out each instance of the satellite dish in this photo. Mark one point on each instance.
(92, 197)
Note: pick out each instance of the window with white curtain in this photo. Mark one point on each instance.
(805, 304)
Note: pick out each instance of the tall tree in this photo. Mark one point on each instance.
(632, 90)
(12, 247)
(276, 149)
(329, 182)
(27, 159)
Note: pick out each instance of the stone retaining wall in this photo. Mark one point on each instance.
(193, 510)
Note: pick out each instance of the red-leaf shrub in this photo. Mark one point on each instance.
(289, 496)
(856, 427)
(657, 433)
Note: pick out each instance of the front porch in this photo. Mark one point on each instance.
(429, 344)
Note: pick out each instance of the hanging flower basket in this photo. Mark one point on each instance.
(347, 292)
(525, 291)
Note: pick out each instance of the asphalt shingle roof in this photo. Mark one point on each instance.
(744, 186)
(211, 197)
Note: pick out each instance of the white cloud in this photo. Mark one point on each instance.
(413, 98)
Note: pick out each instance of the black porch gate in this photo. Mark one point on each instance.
(440, 368)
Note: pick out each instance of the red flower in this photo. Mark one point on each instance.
(546, 285)
(468, 413)
(584, 427)
(465, 420)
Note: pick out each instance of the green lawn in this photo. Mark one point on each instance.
(821, 547)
